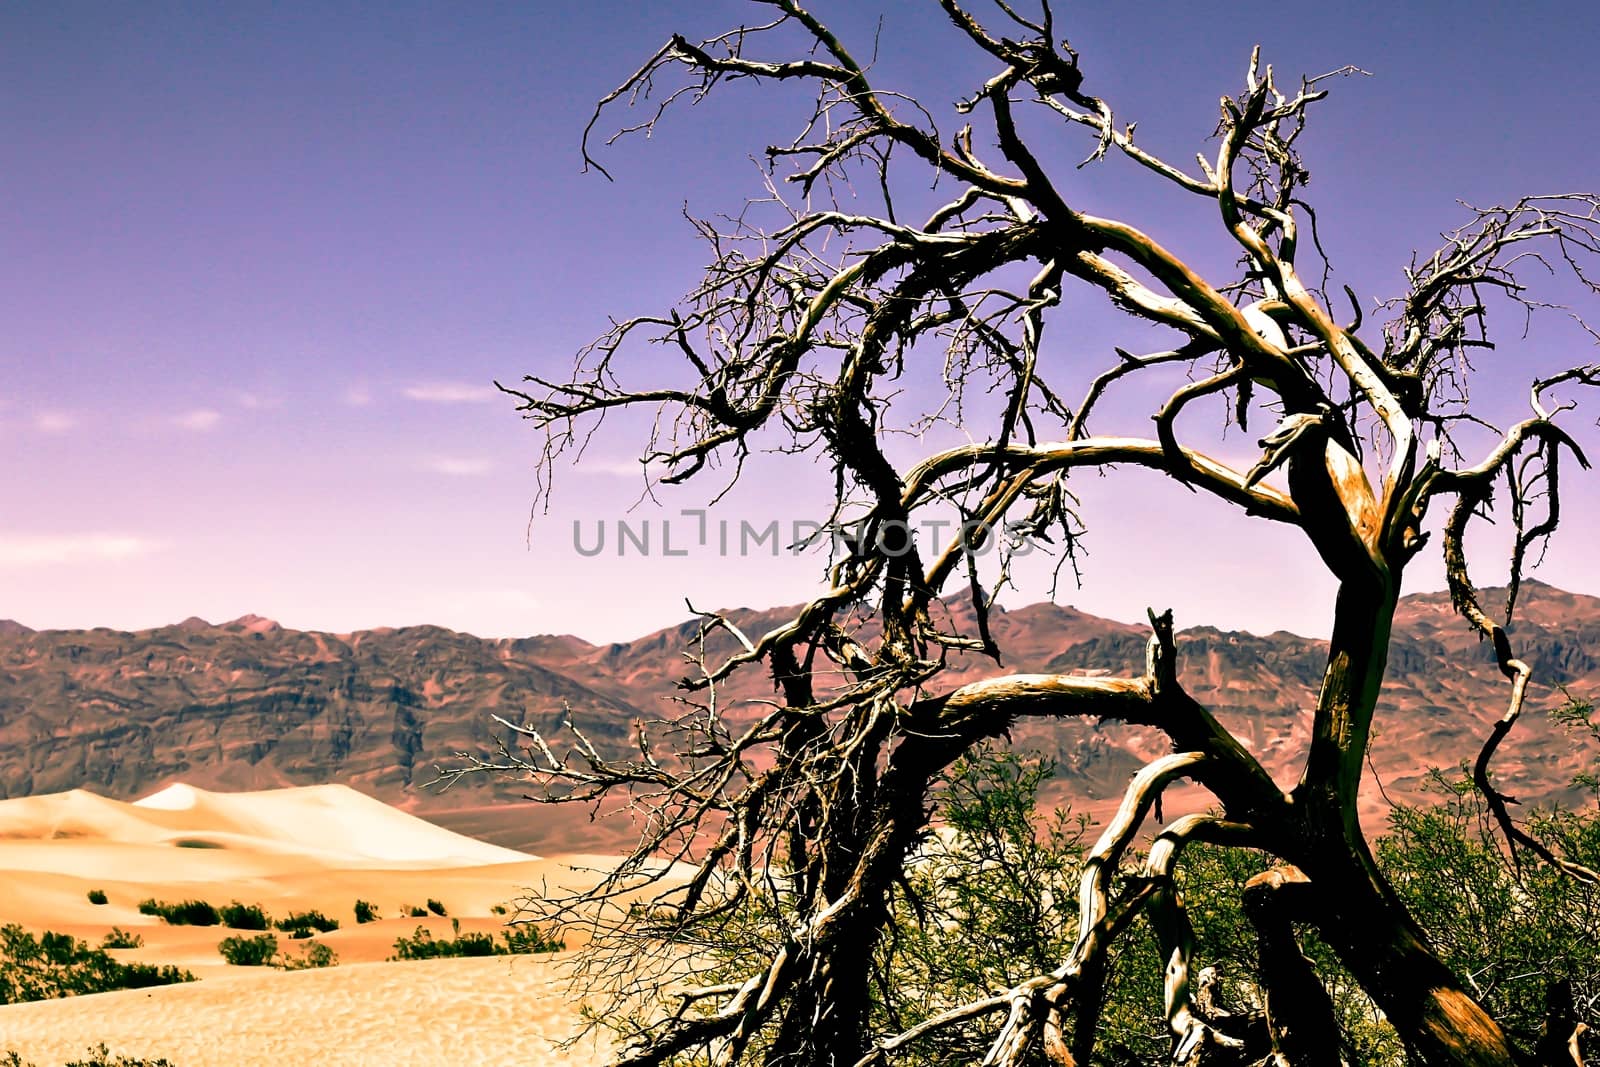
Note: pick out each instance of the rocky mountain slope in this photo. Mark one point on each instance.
(248, 705)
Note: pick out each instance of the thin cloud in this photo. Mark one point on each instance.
(38, 550)
(450, 393)
(458, 467)
(54, 422)
(358, 396)
(254, 401)
(199, 420)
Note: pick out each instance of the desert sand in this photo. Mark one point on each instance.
(318, 847)
(490, 1011)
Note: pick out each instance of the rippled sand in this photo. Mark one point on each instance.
(497, 1010)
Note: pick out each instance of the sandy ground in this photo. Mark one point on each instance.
(499, 1010)
(321, 847)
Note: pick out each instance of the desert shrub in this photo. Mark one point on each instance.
(145, 975)
(314, 955)
(473, 944)
(499, 909)
(1515, 930)
(192, 913)
(120, 938)
(261, 950)
(184, 913)
(302, 923)
(60, 965)
(412, 911)
(526, 939)
(237, 916)
(435, 907)
(366, 912)
(97, 896)
(422, 945)
(256, 951)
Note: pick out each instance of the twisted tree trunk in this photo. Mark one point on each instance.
(1355, 910)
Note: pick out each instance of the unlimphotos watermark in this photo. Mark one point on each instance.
(695, 532)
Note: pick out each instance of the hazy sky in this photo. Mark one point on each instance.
(259, 264)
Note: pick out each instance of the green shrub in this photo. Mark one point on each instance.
(120, 938)
(97, 896)
(254, 951)
(419, 946)
(145, 975)
(422, 945)
(366, 912)
(474, 944)
(435, 907)
(316, 954)
(261, 950)
(59, 965)
(302, 923)
(192, 913)
(237, 916)
(525, 939)
(1515, 930)
(186, 913)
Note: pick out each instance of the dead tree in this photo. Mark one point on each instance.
(816, 308)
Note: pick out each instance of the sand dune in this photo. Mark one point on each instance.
(331, 821)
(319, 847)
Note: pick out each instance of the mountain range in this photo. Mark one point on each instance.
(250, 705)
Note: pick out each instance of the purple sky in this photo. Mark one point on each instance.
(261, 262)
